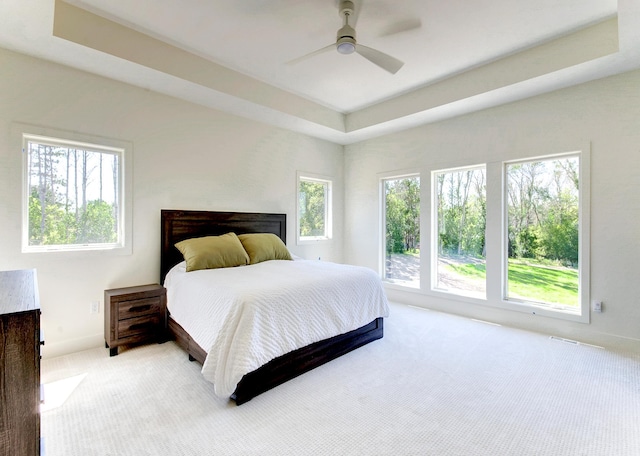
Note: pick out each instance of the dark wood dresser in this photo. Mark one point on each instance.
(19, 364)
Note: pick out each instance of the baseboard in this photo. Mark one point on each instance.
(545, 325)
(55, 349)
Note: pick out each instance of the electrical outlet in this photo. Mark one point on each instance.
(95, 307)
(596, 306)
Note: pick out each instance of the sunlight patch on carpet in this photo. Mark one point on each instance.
(56, 393)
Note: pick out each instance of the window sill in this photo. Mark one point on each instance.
(521, 307)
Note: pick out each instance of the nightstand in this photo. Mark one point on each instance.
(134, 314)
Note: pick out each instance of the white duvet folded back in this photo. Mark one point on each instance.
(248, 315)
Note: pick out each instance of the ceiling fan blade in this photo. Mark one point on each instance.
(384, 61)
(330, 47)
(401, 27)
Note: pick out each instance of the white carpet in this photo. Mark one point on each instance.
(436, 384)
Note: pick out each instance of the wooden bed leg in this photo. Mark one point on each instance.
(191, 358)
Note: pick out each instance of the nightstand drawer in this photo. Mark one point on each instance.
(136, 326)
(138, 308)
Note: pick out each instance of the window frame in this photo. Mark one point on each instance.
(583, 314)
(51, 136)
(328, 207)
(397, 175)
(497, 231)
(434, 256)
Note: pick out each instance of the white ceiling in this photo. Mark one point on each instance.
(232, 55)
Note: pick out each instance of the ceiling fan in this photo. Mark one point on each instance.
(346, 44)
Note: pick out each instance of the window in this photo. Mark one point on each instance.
(401, 199)
(73, 195)
(459, 231)
(543, 233)
(314, 208)
(510, 234)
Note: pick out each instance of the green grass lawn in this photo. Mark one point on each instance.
(532, 282)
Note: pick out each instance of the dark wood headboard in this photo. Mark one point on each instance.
(180, 225)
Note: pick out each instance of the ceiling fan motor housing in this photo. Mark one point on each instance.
(346, 40)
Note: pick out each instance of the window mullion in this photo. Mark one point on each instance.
(495, 232)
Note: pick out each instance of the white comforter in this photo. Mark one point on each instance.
(248, 315)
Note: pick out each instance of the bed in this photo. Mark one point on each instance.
(179, 225)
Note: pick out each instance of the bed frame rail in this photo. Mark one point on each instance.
(291, 365)
(284, 368)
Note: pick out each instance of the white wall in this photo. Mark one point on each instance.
(187, 156)
(184, 157)
(605, 113)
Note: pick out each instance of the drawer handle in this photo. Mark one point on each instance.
(140, 308)
(141, 326)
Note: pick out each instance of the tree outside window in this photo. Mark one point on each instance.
(402, 230)
(543, 231)
(460, 226)
(314, 209)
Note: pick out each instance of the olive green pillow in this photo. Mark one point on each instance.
(263, 247)
(212, 252)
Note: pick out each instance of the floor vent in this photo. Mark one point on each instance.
(569, 341)
(574, 342)
(418, 307)
(486, 322)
